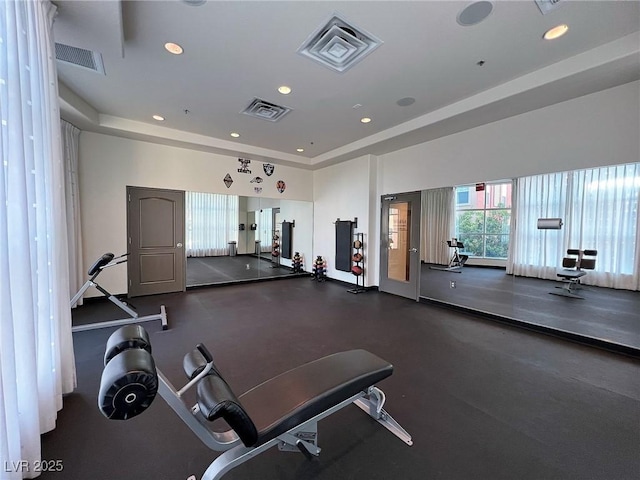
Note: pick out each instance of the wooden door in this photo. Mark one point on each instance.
(156, 231)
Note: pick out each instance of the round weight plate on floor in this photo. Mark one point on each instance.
(128, 385)
(356, 270)
(129, 336)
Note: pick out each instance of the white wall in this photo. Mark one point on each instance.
(343, 191)
(108, 164)
(590, 131)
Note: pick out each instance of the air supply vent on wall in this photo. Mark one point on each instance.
(339, 45)
(266, 110)
(547, 6)
(80, 57)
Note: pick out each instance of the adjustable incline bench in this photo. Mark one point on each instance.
(573, 269)
(282, 411)
(105, 261)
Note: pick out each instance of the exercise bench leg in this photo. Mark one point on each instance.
(373, 407)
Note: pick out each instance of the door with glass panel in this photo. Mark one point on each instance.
(400, 245)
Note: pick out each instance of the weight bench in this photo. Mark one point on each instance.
(574, 267)
(105, 261)
(282, 411)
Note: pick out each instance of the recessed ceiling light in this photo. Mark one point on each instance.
(556, 32)
(173, 48)
(159, 118)
(365, 120)
(284, 90)
(234, 134)
(300, 150)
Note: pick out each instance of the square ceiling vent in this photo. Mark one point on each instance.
(80, 57)
(266, 110)
(338, 44)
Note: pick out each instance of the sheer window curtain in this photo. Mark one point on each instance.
(599, 208)
(70, 137)
(437, 225)
(264, 218)
(212, 222)
(36, 348)
(533, 252)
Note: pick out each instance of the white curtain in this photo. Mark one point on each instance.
(70, 136)
(599, 208)
(437, 225)
(264, 218)
(533, 252)
(36, 348)
(212, 222)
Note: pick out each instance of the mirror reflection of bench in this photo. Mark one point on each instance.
(106, 261)
(573, 269)
(282, 411)
(457, 260)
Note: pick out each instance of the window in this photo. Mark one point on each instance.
(462, 196)
(483, 219)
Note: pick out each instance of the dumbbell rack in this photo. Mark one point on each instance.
(358, 262)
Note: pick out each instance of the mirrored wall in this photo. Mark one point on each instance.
(234, 239)
(461, 277)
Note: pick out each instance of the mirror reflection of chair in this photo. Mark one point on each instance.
(573, 269)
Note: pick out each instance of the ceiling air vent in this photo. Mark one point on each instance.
(80, 57)
(266, 110)
(339, 45)
(547, 6)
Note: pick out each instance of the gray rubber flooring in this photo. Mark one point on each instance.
(605, 314)
(482, 400)
(226, 269)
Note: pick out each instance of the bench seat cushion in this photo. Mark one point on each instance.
(571, 274)
(293, 397)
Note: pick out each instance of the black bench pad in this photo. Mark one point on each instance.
(571, 274)
(294, 397)
(101, 262)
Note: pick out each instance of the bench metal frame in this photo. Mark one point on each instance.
(133, 315)
(302, 437)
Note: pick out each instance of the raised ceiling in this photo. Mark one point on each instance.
(239, 51)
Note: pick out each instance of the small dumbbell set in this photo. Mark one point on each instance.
(282, 411)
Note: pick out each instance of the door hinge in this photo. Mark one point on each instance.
(129, 197)
(129, 240)
(129, 282)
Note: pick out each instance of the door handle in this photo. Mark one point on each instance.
(413, 250)
(179, 245)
